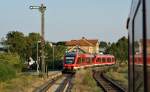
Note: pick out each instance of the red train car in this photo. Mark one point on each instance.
(104, 60)
(74, 61)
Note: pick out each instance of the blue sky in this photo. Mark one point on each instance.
(67, 19)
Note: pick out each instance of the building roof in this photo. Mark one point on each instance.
(82, 42)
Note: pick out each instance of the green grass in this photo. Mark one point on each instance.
(119, 74)
(6, 72)
(10, 64)
(84, 82)
(21, 83)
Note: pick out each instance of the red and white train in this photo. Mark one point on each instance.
(74, 61)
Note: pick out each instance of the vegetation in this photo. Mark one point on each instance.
(21, 83)
(118, 49)
(10, 64)
(84, 82)
(26, 46)
(119, 74)
(58, 51)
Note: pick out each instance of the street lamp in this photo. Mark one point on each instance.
(53, 52)
(37, 61)
(42, 9)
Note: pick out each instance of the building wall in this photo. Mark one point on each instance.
(89, 49)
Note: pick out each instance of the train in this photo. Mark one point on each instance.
(74, 61)
(138, 25)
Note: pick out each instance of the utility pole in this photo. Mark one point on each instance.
(42, 9)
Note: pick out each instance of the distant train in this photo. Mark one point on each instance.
(74, 61)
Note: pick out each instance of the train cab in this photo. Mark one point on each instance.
(69, 61)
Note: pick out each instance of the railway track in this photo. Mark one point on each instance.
(60, 83)
(66, 85)
(106, 84)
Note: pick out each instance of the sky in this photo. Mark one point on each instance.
(67, 19)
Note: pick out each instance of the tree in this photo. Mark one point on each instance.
(103, 44)
(16, 42)
(120, 49)
(32, 41)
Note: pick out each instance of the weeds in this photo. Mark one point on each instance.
(119, 74)
(84, 82)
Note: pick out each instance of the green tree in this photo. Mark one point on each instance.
(32, 41)
(103, 44)
(120, 49)
(16, 42)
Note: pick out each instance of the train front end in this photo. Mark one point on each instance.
(69, 62)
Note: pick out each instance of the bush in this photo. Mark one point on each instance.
(12, 60)
(6, 71)
(10, 64)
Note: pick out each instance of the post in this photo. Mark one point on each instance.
(42, 9)
(37, 59)
(37, 62)
(53, 56)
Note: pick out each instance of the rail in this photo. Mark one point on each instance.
(106, 84)
(45, 86)
(66, 84)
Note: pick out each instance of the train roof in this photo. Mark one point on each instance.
(79, 54)
(86, 55)
(107, 55)
(70, 54)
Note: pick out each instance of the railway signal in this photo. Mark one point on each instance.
(42, 9)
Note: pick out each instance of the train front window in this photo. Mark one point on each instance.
(69, 60)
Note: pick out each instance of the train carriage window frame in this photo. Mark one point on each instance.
(143, 16)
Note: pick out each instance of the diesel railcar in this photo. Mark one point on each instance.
(75, 61)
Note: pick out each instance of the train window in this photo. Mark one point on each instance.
(69, 60)
(100, 60)
(148, 42)
(88, 60)
(97, 60)
(79, 61)
(138, 51)
(83, 60)
(103, 60)
(108, 59)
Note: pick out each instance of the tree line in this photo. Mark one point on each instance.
(119, 49)
(26, 46)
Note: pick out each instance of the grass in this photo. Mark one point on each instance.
(119, 74)
(6, 72)
(21, 83)
(84, 82)
(10, 64)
